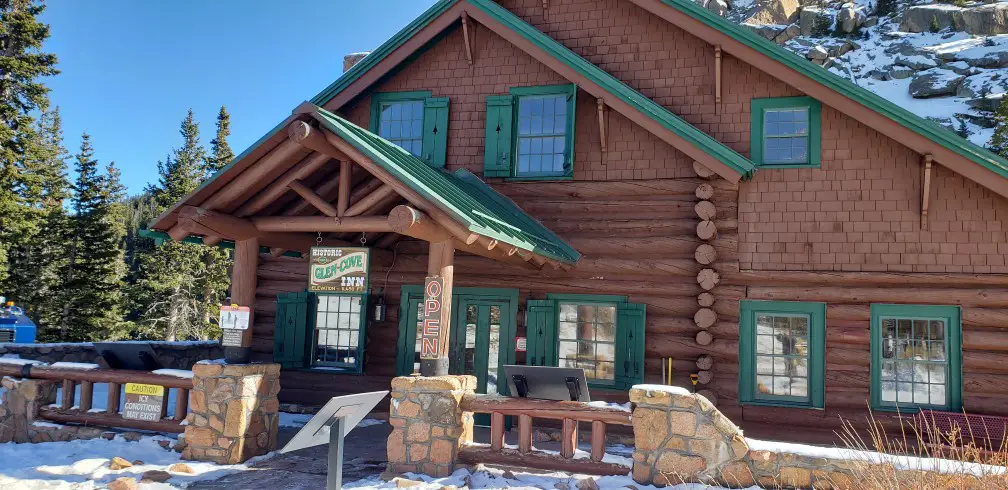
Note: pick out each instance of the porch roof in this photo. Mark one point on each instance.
(463, 195)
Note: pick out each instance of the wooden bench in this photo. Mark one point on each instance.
(987, 432)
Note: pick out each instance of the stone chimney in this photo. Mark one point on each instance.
(352, 59)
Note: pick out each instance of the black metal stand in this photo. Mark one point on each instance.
(334, 477)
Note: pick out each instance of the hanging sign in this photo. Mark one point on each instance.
(234, 320)
(430, 334)
(339, 270)
(143, 402)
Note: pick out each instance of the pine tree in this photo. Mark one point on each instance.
(22, 65)
(38, 264)
(92, 309)
(220, 151)
(175, 289)
(999, 141)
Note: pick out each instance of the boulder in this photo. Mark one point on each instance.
(124, 483)
(989, 103)
(900, 72)
(934, 83)
(879, 75)
(917, 62)
(986, 20)
(118, 463)
(817, 53)
(788, 33)
(849, 18)
(870, 22)
(181, 468)
(719, 7)
(983, 20)
(772, 12)
(155, 476)
(984, 84)
(587, 484)
(960, 67)
(766, 32)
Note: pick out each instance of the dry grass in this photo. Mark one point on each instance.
(898, 461)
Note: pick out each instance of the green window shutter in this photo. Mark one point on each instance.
(541, 333)
(630, 344)
(291, 336)
(435, 131)
(499, 126)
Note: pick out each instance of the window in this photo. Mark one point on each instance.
(320, 330)
(604, 335)
(414, 121)
(782, 353)
(916, 357)
(587, 339)
(338, 322)
(786, 132)
(530, 133)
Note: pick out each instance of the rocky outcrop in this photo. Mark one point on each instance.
(983, 84)
(773, 12)
(935, 82)
(849, 18)
(983, 20)
(810, 20)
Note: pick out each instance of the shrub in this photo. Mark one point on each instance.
(886, 7)
(923, 438)
(934, 27)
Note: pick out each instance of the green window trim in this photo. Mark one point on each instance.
(434, 135)
(294, 336)
(952, 315)
(816, 312)
(756, 139)
(503, 139)
(543, 334)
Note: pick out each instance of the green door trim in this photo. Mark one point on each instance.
(411, 296)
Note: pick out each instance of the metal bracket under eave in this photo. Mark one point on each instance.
(717, 78)
(467, 34)
(926, 190)
(602, 124)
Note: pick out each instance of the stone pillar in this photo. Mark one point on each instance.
(428, 424)
(19, 406)
(234, 412)
(680, 437)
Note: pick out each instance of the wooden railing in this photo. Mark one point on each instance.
(70, 377)
(568, 413)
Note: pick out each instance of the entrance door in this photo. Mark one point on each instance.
(482, 332)
(484, 325)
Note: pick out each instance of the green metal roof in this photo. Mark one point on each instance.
(461, 194)
(620, 90)
(929, 129)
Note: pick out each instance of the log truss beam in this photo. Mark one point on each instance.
(602, 124)
(313, 198)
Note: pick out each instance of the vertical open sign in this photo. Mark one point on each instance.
(430, 334)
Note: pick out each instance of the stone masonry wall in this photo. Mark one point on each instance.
(19, 407)
(234, 412)
(173, 355)
(682, 438)
(428, 424)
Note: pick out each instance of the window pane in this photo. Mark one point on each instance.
(542, 139)
(587, 334)
(401, 123)
(337, 331)
(920, 374)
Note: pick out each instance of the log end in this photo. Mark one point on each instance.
(298, 131)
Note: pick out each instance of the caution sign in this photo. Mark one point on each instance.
(143, 402)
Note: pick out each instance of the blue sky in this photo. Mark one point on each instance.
(131, 69)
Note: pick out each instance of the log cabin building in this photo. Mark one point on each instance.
(632, 187)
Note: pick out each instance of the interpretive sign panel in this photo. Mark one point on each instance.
(143, 402)
(339, 270)
(234, 321)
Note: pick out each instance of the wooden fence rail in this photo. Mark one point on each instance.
(82, 413)
(569, 413)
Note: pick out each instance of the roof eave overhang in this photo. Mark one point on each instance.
(966, 159)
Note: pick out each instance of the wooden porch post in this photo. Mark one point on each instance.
(243, 287)
(437, 309)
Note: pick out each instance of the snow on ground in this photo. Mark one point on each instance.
(493, 478)
(84, 465)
